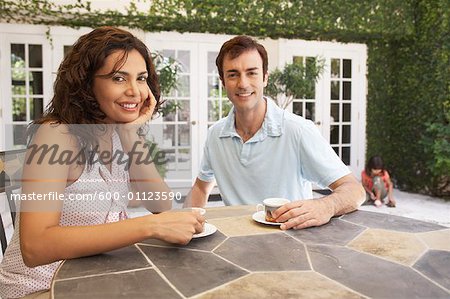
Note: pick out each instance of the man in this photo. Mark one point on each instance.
(260, 151)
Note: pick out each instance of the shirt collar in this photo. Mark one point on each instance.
(272, 125)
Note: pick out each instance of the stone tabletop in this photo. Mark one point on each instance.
(359, 255)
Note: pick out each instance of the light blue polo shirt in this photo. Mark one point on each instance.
(282, 159)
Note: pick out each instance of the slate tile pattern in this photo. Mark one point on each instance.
(190, 271)
(435, 264)
(359, 255)
(128, 258)
(118, 285)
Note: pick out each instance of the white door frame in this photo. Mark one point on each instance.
(198, 44)
(358, 54)
(21, 34)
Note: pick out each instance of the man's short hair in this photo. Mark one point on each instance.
(238, 45)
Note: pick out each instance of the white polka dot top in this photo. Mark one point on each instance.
(105, 200)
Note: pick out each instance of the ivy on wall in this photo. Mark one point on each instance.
(312, 19)
(408, 60)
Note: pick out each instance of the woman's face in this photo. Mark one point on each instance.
(121, 96)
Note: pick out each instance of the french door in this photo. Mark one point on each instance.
(25, 83)
(337, 105)
(199, 102)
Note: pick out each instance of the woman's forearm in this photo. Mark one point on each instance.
(65, 242)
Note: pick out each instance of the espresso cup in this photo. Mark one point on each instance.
(270, 205)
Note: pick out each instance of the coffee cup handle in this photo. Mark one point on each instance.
(259, 207)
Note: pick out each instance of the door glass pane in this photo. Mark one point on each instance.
(36, 83)
(310, 112)
(336, 150)
(36, 108)
(213, 110)
(171, 159)
(297, 108)
(311, 92)
(183, 59)
(345, 134)
(346, 155)
(212, 62)
(213, 86)
(335, 68)
(184, 159)
(184, 135)
(17, 55)
(19, 133)
(35, 55)
(168, 53)
(347, 69)
(183, 86)
(183, 110)
(19, 109)
(335, 90)
(334, 134)
(169, 110)
(334, 113)
(346, 109)
(18, 82)
(168, 135)
(347, 90)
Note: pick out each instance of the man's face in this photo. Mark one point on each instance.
(244, 80)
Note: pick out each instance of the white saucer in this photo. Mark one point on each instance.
(208, 229)
(261, 218)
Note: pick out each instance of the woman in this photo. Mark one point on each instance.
(377, 183)
(108, 87)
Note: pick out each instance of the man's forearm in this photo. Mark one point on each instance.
(346, 197)
(195, 198)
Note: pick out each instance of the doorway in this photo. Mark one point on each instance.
(337, 105)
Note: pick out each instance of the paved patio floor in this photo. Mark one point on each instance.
(417, 206)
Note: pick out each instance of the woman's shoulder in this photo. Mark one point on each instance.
(51, 134)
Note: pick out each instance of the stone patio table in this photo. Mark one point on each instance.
(358, 255)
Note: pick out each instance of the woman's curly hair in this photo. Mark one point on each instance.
(73, 102)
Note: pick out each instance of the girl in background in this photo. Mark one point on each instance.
(377, 183)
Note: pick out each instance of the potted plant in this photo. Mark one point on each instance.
(296, 81)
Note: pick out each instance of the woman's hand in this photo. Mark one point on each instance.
(128, 131)
(147, 109)
(146, 112)
(176, 227)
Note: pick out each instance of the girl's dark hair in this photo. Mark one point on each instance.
(74, 103)
(375, 162)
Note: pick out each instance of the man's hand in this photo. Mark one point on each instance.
(303, 213)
